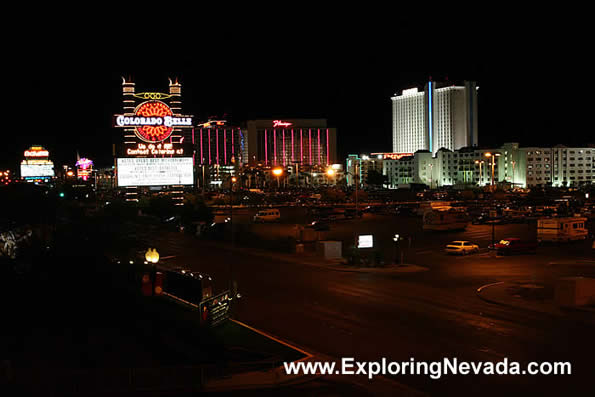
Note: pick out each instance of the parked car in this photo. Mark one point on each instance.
(269, 215)
(461, 247)
(513, 245)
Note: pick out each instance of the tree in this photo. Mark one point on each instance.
(375, 178)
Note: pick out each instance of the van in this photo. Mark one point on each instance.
(270, 215)
(561, 229)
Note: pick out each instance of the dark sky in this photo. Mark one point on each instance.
(63, 91)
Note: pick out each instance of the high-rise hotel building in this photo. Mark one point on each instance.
(439, 117)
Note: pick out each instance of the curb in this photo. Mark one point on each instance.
(558, 311)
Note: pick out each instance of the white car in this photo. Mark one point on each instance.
(461, 247)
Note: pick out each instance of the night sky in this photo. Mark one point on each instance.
(63, 94)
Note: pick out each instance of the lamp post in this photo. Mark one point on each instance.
(492, 156)
(232, 182)
(152, 256)
(329, 173)
(513, 163)
(431, 173)
(396, 239)
(278, 172)
(480, 162)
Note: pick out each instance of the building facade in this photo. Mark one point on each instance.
(559, 166)
(439, 117)
(307, 142)
(508, 164)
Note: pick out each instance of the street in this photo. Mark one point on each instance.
(429, 315)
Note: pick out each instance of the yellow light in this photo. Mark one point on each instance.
(152, 255)
(277, 171)
(488, 154)
(330, 172)
(234, 179)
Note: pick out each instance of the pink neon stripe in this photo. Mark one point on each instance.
(284, 158)
(319, 154)
(328, 161)
(292, 158)
(193, 135)
(217, 142)
(224, 147)
(266, 154)
(209, 146)
(275, 145)
(310, 144)
(301, 147)
(232, 141)
(202, 159)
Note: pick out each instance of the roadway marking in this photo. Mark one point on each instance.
(308, 355)
(489, 285)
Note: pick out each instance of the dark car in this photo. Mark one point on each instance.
(319, 226)
(513, 245)
(351, 213)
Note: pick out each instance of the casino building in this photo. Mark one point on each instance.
(307, 143)
(219, 151)
(441, 116)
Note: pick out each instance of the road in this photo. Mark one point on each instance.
(425, 316)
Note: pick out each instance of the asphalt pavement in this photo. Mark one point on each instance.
(423, 316)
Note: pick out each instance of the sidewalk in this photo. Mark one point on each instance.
(533, 296)
(311, 259)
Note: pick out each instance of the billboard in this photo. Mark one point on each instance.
(159, 171)
(365, 241)
(37, 170)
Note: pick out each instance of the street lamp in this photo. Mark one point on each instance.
(480, 162)
(278, 172)
(396, 239)
(329, 172)
(513, 163)
(493, 158)
(152, 256)
(431, 173)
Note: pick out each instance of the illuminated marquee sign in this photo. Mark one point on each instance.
(365, 241)
(279, 123)
(158, 171)
(36, 151)
(153, 121)
(143, 149)
(392, 156)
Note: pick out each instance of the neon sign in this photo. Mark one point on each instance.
(279, 123)
(36, 151)
(153, 121)
(392, 156)
(84, 163)
(154, 149)
(152, 95)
